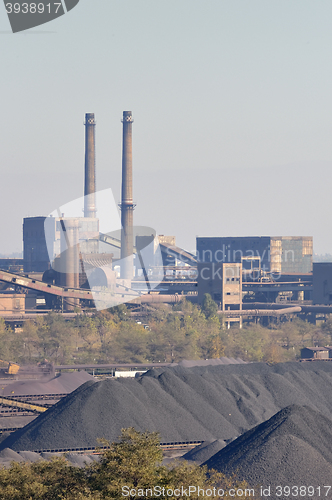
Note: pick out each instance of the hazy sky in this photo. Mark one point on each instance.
(232, 105)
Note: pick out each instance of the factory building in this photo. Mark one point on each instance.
(35, 254)
(11, 303)
(316, 353)
(278, 254)
(14, 265)
(66, 249)
(149, 246)
(168, 243)
(322, 283)
(41, 240)
(223, 281)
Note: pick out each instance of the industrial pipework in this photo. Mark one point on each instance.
(90, 167)
(127, 206)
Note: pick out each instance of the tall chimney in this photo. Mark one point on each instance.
(127, 205)
(90, 167)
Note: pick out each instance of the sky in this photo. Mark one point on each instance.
(232, 115)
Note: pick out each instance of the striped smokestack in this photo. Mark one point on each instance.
(90, 167)
(127, 205)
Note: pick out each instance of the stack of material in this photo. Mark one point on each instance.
(62, 384)
(292, 448)
(8, 456)
(186, 363)
(182, 404)
(204, 451)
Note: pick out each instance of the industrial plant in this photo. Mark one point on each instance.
(70, 264)
(73, 264)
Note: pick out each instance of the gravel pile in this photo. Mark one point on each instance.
(294, 447)
(205, 362)
(204, 451)
(62, 384)
(182, 404)
(7, 456)
(80, 460)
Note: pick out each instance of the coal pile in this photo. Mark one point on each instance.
(214, 361)
(204, 451)
(202, 403)
(61, 384)
(8, 456)
(294, 447)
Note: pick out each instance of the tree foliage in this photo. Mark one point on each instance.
(44, 481)
(209, 306)
(185, 331)
(134, 464)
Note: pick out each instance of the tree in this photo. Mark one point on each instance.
(272, 353)
(55, 338)
(135, 463)
(129, 343)
(209, 306)
(31, 339)
(247, 343)
(327, 328)
(87, 337)
(216, 347)
(169, 342)
(11, 344)
(44, 481)
(119, 313)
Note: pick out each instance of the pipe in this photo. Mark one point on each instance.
(127, 206)
(262, 312)
(306, 308)
(157, 298)
(90, 167)
(267, 305)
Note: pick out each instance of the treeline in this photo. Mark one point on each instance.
(184, 331)
(130, 468)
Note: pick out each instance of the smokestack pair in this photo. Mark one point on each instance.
(127, 206)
